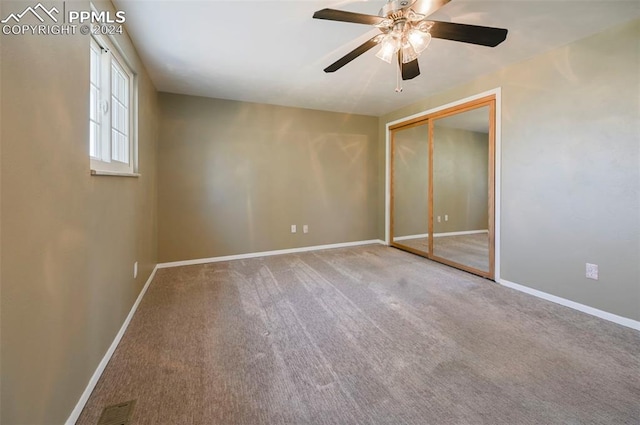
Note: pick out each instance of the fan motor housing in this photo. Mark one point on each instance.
(394, 6)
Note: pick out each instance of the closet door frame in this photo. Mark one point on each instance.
(489, 99)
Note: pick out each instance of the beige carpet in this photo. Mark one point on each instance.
(366, 335)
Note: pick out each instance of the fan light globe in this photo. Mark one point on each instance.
(390, 46)
(408, 53)
(419, 40)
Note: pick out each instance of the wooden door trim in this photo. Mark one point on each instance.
(430, 195)
(492, 187)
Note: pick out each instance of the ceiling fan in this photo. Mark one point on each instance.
(407, 33)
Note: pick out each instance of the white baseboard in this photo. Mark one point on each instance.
(75, 414)
(266, 253)
(630, 323)
(404, 238)
(464, 232)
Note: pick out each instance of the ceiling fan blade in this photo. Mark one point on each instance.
(364, 47)
(344, 16)
(410, 70)
(484, 36)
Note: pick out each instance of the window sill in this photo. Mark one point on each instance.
(113, 174)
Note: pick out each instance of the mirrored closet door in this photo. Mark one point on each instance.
(410, 193)
(442, 186)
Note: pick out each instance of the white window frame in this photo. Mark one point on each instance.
(106, 158)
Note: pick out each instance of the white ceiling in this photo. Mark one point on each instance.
(274, 52)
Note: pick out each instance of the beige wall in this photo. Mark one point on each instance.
(570, 168)
(234, 176)
(69, 240)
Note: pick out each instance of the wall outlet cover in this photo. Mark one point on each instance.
(592, 271)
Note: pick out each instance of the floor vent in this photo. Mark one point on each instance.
(118, 414)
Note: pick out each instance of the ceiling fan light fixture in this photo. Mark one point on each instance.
(419, 39)
(412, 16)
(424, 26)
(389, 46)
(386, 23)
(409, 53)
(407, 33)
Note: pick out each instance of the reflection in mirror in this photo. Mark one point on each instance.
(460, 188)
(410, 179)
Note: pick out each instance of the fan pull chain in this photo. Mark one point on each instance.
(398, 79)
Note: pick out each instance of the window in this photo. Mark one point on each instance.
(112, 112)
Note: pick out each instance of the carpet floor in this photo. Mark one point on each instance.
(364, 335)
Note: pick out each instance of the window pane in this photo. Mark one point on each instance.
(114, 114)
(118, 110)
(119, 147)
(95, 66)
(94, 131)
(120, 113)
(117, 83)
(92, 103)
(122, 119)
(124, 149)
(115, 152)
(94, 100)
(121, 88)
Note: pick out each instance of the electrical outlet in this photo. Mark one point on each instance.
(305, 228)
(446, 217)
(592, 271)
(135, 269)
(439, 219)
(294, 228)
